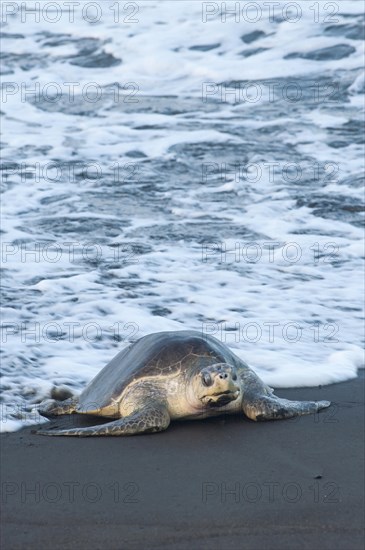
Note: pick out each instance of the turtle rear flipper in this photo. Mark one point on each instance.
(151, 419)
(52, 407)
(274, 408)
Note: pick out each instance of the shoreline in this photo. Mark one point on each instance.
(225, 482)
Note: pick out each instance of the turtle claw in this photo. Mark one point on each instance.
(275, 408)
(50, 407)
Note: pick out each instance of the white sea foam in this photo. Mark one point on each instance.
(93, 262)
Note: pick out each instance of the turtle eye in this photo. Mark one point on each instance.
(207, 380)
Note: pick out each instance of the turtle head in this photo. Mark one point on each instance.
(217, 385)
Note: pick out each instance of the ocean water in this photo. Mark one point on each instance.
(171, 165)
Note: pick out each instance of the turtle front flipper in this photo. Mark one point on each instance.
(274, 408)
(52, 407)
(147, 420)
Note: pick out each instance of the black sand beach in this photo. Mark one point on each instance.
(219, 484)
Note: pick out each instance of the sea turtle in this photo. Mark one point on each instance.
(173, 376)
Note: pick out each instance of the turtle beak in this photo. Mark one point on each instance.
(221, 399)
(221, 394)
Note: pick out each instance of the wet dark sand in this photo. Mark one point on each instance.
(216, 484)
